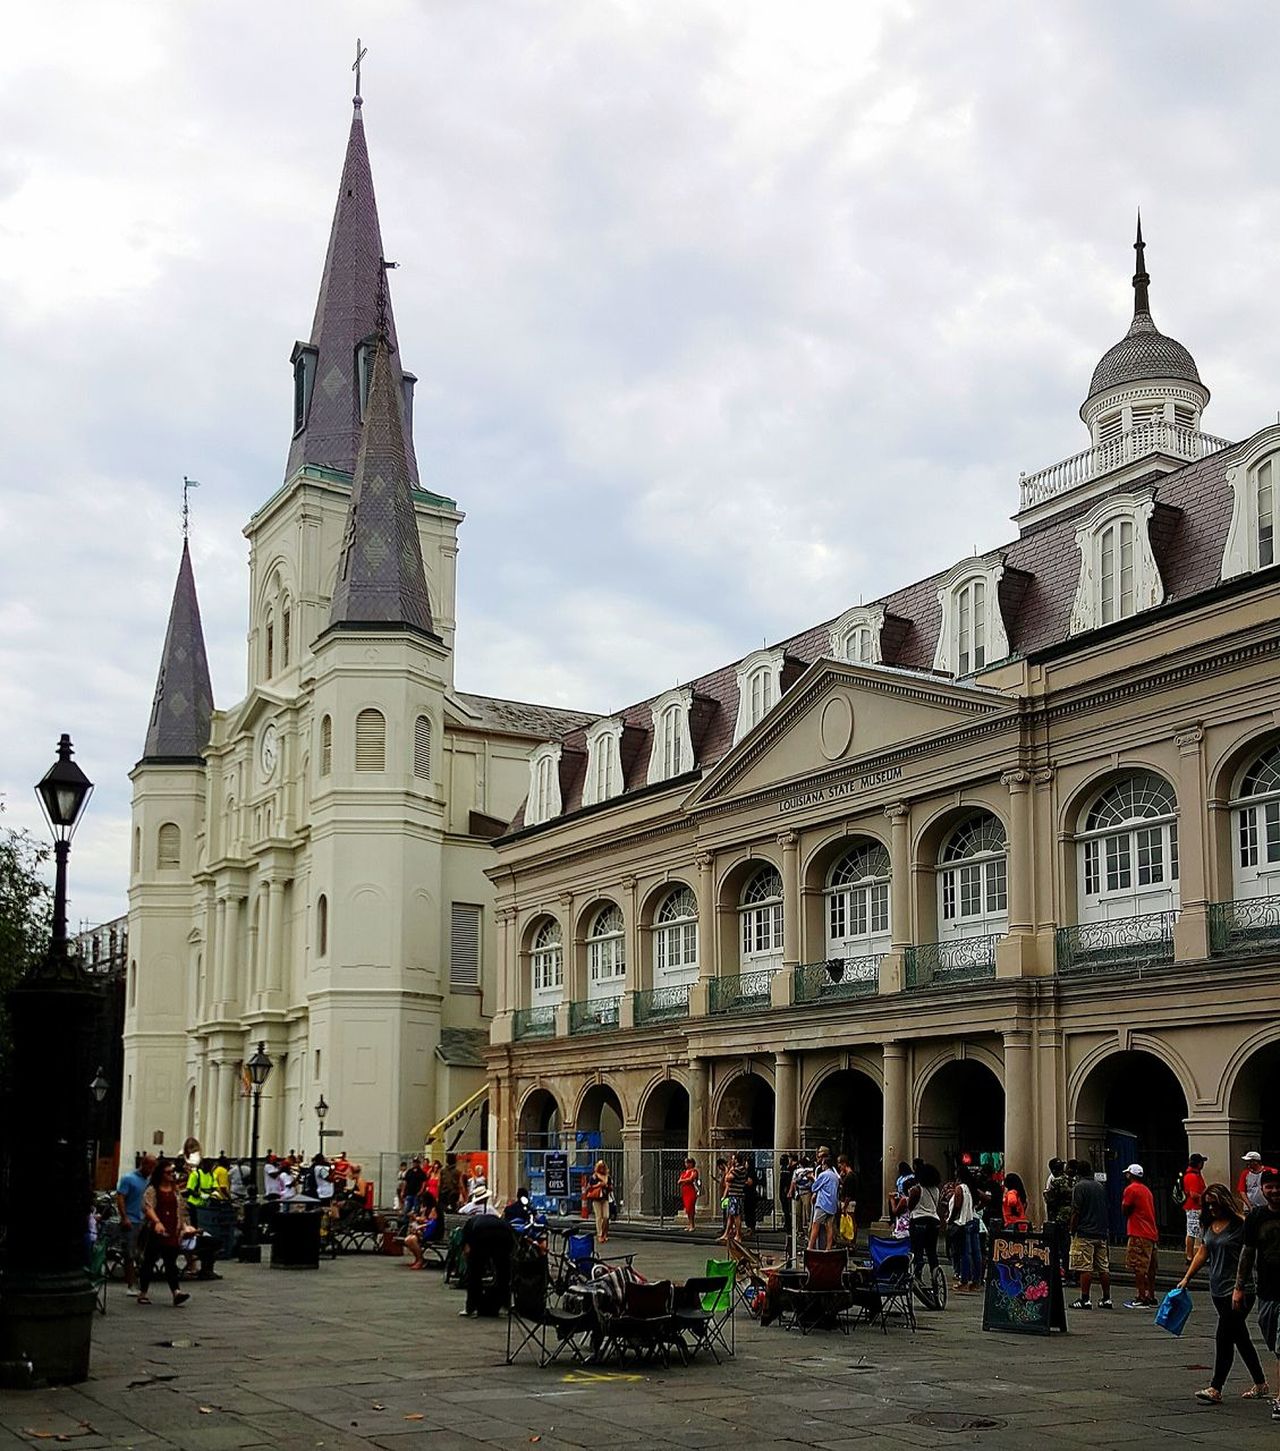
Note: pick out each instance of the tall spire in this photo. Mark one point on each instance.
(327, 401)
(381, 581)
(1141, 302)
(179, 727)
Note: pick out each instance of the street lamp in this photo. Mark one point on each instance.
(99, 1086)
(46, 1298)
(259, 1069)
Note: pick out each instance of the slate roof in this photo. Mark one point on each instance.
(463, 1047)
(521, 718)
(381, 580)
(346, 316)
(1144, 352)
(183, 703)
(1194, 513)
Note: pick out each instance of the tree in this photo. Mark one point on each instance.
(26, 904)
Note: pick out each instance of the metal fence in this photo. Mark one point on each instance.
(840, 978)
(1239, 928)
(1119, 945)
(743, 992)
(943, 964)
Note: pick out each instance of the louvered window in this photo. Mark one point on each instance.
(286, 620)
(422, 748)
(464, 946)
(371, 741)
(1184, 416)
(1144, 416)
(326, 745)
(169, 848)
(1110, 428)
(322, 924)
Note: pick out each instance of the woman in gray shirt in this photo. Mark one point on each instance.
(1219, 1242)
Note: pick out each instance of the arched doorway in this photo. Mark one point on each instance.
(961, 1112)
(539, 1125)
(1131, 1108)
(598, 1135)
(1255, 1108)
(846, 1113)
(664, 1142)
(744, 1119)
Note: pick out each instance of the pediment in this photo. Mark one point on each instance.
(254, 708)
(839, 714)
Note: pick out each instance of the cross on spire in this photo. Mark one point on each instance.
(187, 486)
(361, 52)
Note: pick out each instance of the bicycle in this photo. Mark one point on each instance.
(933, 1294)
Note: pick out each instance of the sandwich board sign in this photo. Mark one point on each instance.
(1023, 1293)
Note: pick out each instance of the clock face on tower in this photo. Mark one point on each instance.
(269, 751)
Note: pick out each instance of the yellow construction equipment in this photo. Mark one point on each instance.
(435, 1135)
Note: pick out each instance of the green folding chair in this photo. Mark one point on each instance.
(719, 1303)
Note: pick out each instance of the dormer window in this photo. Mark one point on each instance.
(1253, 477)
(543, 802)
(304, 377)
(759, 687)
(855, 636)
(972, 634)
(364, 370)
(672, 751)
(1118, 572)
(604, 762)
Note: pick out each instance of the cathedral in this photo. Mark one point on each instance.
(308, 865)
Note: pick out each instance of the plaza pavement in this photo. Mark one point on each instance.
(363, 1354)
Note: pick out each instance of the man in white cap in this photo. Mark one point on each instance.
(1249, 1184)
(1139, 1210)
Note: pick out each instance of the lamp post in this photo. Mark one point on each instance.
(259, 1067)
(322, 1108)
(46, 1299)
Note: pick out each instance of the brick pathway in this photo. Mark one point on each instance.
(364, 1354)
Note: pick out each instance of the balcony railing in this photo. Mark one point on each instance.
(1174, 439)
(1239, 928)
(745, 992)
(1125, 944)
(535, 1023)
(598, 1016)
(943, 964)
(836, 979)
(661, 1004)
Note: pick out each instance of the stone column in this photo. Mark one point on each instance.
(634, 1167)
(789, 841)
(897, 1126)
(506, 988)
(215, 963)
(699, 1103)
(230, 987)
(786, 1104)
(275, 936)
(1191, 930)
(708, 947)
(1014, 951)
(891, 964)
(217, 1107)
(638, 973)
(575, 965)
(1019, 1111)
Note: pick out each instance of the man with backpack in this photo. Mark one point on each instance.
(1187, 1189)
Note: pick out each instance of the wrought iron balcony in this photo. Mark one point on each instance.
(1173, 439)
(745, 992)
(598, 1016)
(661, 1004)
(535, 1023)
(1125, 944)
(1238, 929)
(836, 979)
(943, 964)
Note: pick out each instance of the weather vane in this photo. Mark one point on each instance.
(361, 52)
(187, 486)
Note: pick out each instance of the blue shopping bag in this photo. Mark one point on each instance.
(1174, 1311)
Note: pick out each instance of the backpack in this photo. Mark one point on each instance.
(1179, 1191)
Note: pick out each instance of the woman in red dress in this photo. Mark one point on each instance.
(688, 1182)
(1015, 1204)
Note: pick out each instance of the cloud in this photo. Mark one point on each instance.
(726, 314)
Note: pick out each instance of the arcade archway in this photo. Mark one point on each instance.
(846, 1113)
(961, 1112)
(539, 1124)
(1255, 1106)
(744, 1119)
(664, 1143)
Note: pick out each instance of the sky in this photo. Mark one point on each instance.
(727, 314)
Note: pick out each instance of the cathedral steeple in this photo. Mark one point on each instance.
(381, 581)
(179, 728)
(331, 372)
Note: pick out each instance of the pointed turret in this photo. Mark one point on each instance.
(381, 581)
(328, 378)
(179, 727)
(1141, 282)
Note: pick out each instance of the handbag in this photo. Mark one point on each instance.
(1174, 1311)
(847, 1226)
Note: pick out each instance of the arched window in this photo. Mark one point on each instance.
(271, 648)
(1129, 850)
(1265, 517)
(971, 627)
(675, 938)
(972, 634)
(858, 903)
(548, 961)
(1251, 537)
(606, 956)
(759, 688)
(1256, 828)
(604, 761)
(973, 892)
(760, 911)
(671, 751)
(855, 636)
(672, 732)
(169, 847)
(137, 849)
(422, 747)
(133, 983)
(543, 801)
(371, 741)
(326, 745)
(322, 925)
(286, 631)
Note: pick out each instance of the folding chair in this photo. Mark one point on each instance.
(720, 1302)
(889, 1290)
(703, 1306)
(532, 1318)
(822, 1297)
(647, 1324)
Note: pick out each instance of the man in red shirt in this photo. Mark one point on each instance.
(1139, 1210)
(1192, 1189)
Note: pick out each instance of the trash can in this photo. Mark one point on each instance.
(295, 1244)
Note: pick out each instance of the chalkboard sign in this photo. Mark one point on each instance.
(1024, 1285)
(557, 1172)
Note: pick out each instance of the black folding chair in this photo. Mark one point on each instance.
(533, 1320)
(704, 1311)
(648, 1323)
(887, 1290)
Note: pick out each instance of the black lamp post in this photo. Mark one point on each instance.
(259, 1067)
(322, 1108)
(46, 1299)
(99, 1086)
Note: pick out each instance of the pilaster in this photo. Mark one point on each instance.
(1191, 930)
